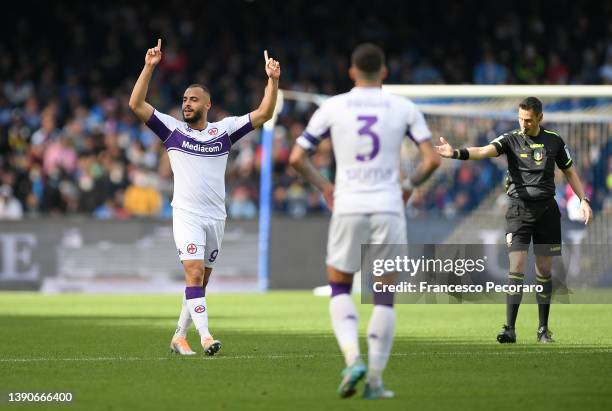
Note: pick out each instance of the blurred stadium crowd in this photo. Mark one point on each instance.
(69, 143)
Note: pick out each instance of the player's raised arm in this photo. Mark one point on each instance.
(139, 106)
(470, 153)
(265, 110)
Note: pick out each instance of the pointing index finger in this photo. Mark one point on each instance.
(159, 44)
(266, 55)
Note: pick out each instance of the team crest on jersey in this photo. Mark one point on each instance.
(192, 248)
(213, 131)
(199, 309)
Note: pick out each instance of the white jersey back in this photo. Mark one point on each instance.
(198, 159)
(367, 126)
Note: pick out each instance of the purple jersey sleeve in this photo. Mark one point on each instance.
(162, 124)
(417, 129)
(319, 128)
(239, 127)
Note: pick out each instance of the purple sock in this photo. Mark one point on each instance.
(193, 292)
(340, 288)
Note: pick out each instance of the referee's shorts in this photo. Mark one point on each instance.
(537, 220)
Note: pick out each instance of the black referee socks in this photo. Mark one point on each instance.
(513, 299)
(543, 299)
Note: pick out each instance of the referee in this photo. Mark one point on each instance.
(532, 152)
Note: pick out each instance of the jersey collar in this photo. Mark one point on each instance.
(189, 128)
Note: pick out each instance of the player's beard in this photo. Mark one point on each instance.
(197, 116)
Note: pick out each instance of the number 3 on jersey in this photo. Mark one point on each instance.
(366, 132)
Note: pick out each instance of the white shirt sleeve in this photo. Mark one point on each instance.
(318, 128)
(417, 128)
(162, 124)
(238, 127)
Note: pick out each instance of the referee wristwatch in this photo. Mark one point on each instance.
(585, 198)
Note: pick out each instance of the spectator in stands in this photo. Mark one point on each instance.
(589, 71)
(10, 207)
(112, 208)
(606, 69)
(141, 198)
(426, 73)
(70, 142)
(489, 71)
(240, 205)
(530, 67)
(60, 154)
(557, 72)
(297, 200)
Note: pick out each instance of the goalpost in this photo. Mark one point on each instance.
(466, 113)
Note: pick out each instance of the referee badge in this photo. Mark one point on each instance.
(538, 154)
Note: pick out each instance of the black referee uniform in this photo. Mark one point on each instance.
(533, 213)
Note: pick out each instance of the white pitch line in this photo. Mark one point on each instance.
(305, 356)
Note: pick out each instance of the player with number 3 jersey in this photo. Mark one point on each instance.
(367, 126)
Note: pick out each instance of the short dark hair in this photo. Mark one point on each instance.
(532, 104)
(368, 58)
(202, 86)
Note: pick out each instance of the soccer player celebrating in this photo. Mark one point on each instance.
(198, 151)
(532, 152)
(367, 126)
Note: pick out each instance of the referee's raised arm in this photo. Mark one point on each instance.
(138, 105)
(445, 150)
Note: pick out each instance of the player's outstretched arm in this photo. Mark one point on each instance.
(300, 160)
(574, 181)
(471, 153)
(138, 105)
(266, 109)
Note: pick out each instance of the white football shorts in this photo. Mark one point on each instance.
(197, 237)
(347, 232)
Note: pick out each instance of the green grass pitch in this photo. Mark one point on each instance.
(278, 352)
